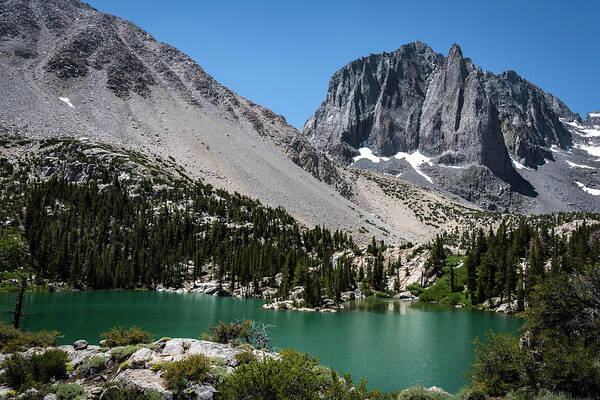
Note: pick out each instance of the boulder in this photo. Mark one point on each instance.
(405, 295)
(507, 307)
(140, 358)
(216, 350)
(328, 303)
(437, 390)
(347, 296)
(173, 348)
(202, 392)
(80, 345)
(142, 380)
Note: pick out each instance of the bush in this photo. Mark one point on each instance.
(13, 340)
(252, 332)
(290, 377)
(415, 289)
(69, 392)
(16, 373)
(471, 393)
(500, 365)
(160, 366)
(246, 357)
(294, 376)
(93, 365)
(227, 333)
(123, 352)
(22, 373)
(52, 364)
(193, 369)
(420, 393)
(218, 372)
(120, 336)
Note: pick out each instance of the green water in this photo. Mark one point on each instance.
(395, 344)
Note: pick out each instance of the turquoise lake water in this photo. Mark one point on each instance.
(395, 344)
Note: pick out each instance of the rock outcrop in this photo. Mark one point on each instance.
(139, 372)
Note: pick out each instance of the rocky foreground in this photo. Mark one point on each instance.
(141, 370)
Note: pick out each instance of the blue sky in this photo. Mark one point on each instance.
(281, 54)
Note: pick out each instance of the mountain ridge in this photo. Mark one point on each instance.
(468, 130)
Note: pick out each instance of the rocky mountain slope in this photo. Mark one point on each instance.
(443, 122)
(67, 70)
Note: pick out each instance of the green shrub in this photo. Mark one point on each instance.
(69, 392)
(500, 365)
(415, 289)
(324, 375)
(120, 336)
(16, 373)
(219, 372)
(123, 352)
(160, 366)
(471, 393)
(290, 377)
(542, 395)
(22, 373)
(52, 364)
(193, 369)
(252, 332)
(13, 340)
(294, 376)
(93, 365)
(420, 393)
(228, 332)
(246, 357)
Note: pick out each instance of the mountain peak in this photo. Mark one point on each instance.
(450, 111)
(455, 52)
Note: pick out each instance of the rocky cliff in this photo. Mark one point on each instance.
(462, 129)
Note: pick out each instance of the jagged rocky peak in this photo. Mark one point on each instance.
(416, 99)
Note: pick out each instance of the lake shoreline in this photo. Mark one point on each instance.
(368, 334)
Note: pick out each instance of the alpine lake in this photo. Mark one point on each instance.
(395, 344)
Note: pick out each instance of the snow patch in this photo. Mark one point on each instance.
(452, 166)
(66, 101)
(584, 131)
(573, 165)
(592, 150)
(517, 164)
(593, 192)
(589, 132)
(367, 153)
(555, 149)
(415, 160)
(594, 115)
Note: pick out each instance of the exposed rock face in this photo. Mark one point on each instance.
(448, 110)
(415, 99)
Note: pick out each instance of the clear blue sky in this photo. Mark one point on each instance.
(281, 54)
